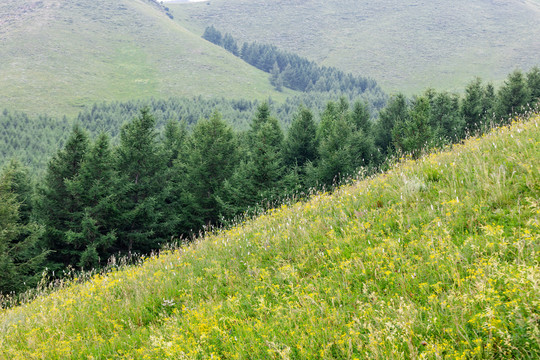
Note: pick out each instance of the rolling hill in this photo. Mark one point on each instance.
(438, 258)
(58, 56)
(405, 45)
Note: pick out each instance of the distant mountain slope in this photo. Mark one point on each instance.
(436, 259)
(406, 45)
(59, 55)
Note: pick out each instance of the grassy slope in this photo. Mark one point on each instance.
(60, 55)
(405, 45)
(436, 258)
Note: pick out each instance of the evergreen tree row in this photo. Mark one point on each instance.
(292, 71)
(33, 140)
(99, 199)
(434, 119)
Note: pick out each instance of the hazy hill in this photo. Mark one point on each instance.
(436, 259)
(405, 45)
(59, 55)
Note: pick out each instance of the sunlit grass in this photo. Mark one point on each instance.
(437, 258)
(58, 57)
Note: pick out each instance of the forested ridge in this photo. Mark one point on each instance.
(293, 71)
(99, 198)
(33, 139)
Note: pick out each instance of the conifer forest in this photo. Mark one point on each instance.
(286, 179)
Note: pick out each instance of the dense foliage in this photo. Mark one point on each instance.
(30, 139)
(435, 259)
(292, 71)
(33, 140)
(21, 258)
(152, 186)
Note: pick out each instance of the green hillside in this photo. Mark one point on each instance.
(58, 56)
(438, 258)
(405, 45)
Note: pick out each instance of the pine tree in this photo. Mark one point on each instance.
(267, 160)
(213, 35)
(513, 96)
(212, 160)
(335, 137)
(265, 152)
(21, 185)
(259, 176)
(93, 186)
(300, 146)
(276, 79)
(175, 199)
(21, 259)
(488, 104)
(362, 142)
(10, 279)
(336, 158)
(414, 135)
(472, 107)
(174, 141)
(261, 117)
(239, 191)
(329, 116)
(445, 118)
(396, 112)
(140, 168)
(230, 44)
(57, 209)
(245, 53)
(360, 117)
(533, 84)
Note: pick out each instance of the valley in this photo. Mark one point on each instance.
(406, 46)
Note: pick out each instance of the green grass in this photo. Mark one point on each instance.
(438, 258)
(60, 56)
(406, 46)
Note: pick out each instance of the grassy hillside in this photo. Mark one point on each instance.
(60, 55)
(437, 258)
(404, 45)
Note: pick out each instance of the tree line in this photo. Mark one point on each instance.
(290, 70)
(98, 198)
(34, 139)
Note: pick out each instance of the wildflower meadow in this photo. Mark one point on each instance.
(438, 258)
